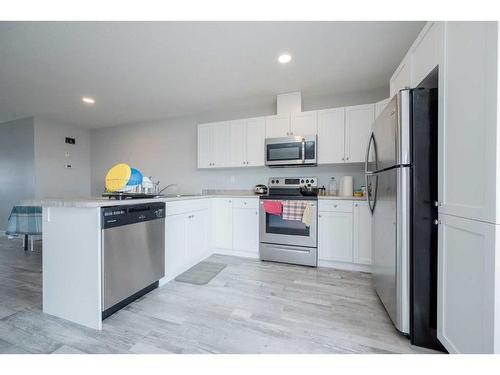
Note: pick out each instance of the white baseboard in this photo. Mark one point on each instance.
(237, 253)
(345, 266)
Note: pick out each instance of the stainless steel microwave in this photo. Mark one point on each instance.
(291, 151)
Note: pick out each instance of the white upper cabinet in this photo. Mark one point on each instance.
(205, 157)
(426, 52)
(214, 145)
(362, 233)
(255, 134)
(238, 144)
(221, 139)
(468, 138)
(277, 126)
(331, 134)
(304, 123)
(358, 125)
(402, 77)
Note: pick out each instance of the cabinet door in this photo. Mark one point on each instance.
(204, 146)
(197, 235)
(380, 106)
(335, 236)
(223, 223)
(221, 141)
(362, 234)
(246, 230)
(175, 244)
(255, 136)
(331, 136)
(277, 126)
(358, 125)
(467, 138)
(238, 144)
(466, 286)
(304, 123)
(402, 77)
(426, 52)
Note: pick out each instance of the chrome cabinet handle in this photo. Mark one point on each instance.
(437, 222)
(438, 204)
(343, 158)
(347, 158)
(355, 205)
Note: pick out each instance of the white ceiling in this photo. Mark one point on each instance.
(140, 71)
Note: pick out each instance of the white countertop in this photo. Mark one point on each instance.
(338, 197)
(105, 202)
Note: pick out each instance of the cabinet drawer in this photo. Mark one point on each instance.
(246, 203)
(181, 207)
(335, 205)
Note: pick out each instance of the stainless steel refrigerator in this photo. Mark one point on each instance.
(401, 179)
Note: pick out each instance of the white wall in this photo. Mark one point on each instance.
(17, 177)
(53, 179)
(167, 149)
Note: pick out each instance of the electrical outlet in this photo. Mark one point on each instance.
(69, 166)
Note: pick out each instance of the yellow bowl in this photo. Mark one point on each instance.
(117, 177)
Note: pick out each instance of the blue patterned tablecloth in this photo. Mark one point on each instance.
(25, 220)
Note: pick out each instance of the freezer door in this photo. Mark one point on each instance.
(392, 133)
(390, 241)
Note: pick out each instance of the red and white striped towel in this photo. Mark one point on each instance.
(293, 210)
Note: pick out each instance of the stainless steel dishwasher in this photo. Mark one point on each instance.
(133, 253)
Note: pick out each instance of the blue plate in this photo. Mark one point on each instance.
(135, 178)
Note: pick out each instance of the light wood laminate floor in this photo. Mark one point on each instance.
(250, 307)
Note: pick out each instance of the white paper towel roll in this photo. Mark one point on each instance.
(346, 186)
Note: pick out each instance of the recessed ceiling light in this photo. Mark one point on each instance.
(285, 58)
(88, 100)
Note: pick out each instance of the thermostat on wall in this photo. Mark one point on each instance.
(70, 141)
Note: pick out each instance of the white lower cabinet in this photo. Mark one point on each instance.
(468, 286)
(335, 236)
(246, 230)
(362, 233)
(186, 237)
(236, 226)
(344, 234)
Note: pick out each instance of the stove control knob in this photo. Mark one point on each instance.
(277, 181)
(307, 181)
(312, 181)
(302, 181)
(272, 181)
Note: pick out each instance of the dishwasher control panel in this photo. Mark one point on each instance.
(116, 216)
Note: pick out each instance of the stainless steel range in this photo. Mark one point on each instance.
(290, 240)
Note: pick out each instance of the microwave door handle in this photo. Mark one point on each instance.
(303, 150)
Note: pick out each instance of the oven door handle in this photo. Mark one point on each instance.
(303, 150)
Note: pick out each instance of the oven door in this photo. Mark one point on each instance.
(273, 229)
(297, 150)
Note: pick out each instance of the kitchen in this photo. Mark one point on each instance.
(210, 216)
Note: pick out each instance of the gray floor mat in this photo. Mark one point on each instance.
(201, 273)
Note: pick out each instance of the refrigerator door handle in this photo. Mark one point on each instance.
(369, 189)
(367, 157)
